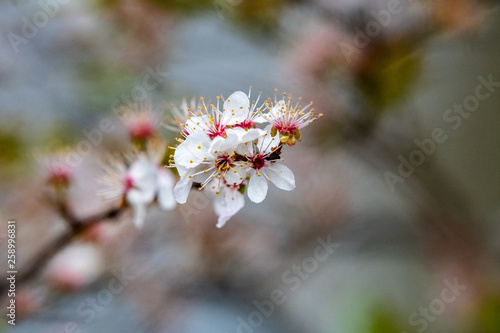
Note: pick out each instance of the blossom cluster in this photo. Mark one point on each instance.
(226, 152)
(238, 149)
(139, 179)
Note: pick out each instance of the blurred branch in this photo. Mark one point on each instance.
(77, 227)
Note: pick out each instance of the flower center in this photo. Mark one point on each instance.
(246, 124)
(217, 130)
(59, 175)
(142, 130)
(129, 183)
(257, 162)
(223, 163)
(286, 127)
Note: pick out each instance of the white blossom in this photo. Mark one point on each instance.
(226, 149)
(141, 183)
(211, 159)
(140, 120)
(288, 118)
(266, 167)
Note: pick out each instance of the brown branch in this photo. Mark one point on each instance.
(76, 228)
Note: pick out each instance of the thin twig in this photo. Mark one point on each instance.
(77, 227)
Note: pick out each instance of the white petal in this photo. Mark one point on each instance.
(183, 154)
(257, 187)
(252, 134)
(227, 145)
(166, 182)
(278, 109)
(136, 196)
(181, 170)
(247, 135)
(236, 174)
(267, 143)
(236, 108)
(192, 151)
(197, 124)
(139, 214)
(240, 132)
(143, 174)
(142, 168)
(260, 120)
(280, 176)
(226, 204)
(182, 189)
(243, 149)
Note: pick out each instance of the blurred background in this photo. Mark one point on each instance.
(393, 226)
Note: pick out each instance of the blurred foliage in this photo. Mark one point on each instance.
(11, 151)
(488, 316)
(101, 84)
(60, 135)
(255, 15)
(181, 5)
(387, 74)
(263, 14)
(383, 322)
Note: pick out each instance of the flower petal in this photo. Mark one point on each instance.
(166, 198)
(281, 176)
(140, 210)
(227, 145)
(243, 149)
(181, 170)
(278, 109)
(182, 189)
(226, 204)
(252, 134)
(236, 108)
(197, 124)
(144, 176)
(236, 174)
(257, 187)
(260, 119)
(192, 151)
(248, 135)
(139, 203)
(267, 144)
